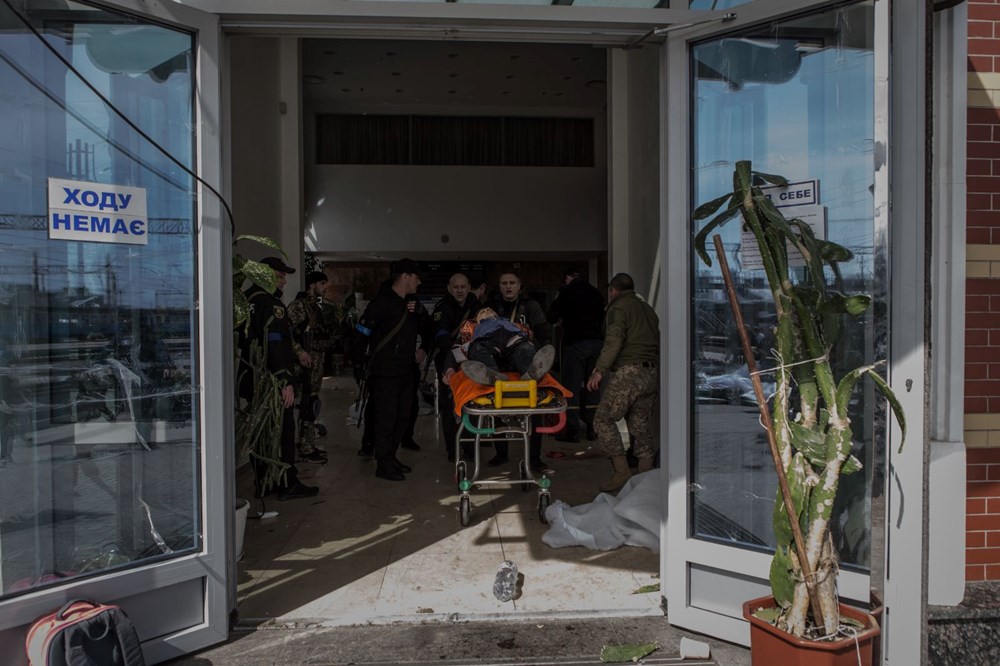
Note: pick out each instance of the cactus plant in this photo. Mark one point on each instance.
(809, 408)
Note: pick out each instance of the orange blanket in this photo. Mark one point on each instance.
(465, 389)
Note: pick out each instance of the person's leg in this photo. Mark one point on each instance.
(405, 399)
(292, 488)
(614, 406)
(386, 399)
(590, 351)
(640, 418)
(449, 425)
(484, 351)
(407, 441)
(572, 377)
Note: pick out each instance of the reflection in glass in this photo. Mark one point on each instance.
(795, 98)
(98, 436)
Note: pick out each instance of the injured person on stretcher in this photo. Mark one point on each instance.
(499, 346)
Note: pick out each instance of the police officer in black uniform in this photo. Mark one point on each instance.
(391, 324)
(457, 305)
(509, 303)
(269, 323)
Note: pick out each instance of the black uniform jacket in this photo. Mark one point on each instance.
(269, 323)
(525, 310)
(448, 317)
(396, 357)
(581, 309)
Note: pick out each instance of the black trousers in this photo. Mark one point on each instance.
(392, 404)
(534, 446)
(286, 454)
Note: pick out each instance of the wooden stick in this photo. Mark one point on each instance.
(765, 417)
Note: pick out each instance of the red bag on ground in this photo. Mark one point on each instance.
(84, 633)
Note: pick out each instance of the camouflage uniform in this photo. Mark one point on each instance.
(630, 395)
(311, 334)
(631, 353)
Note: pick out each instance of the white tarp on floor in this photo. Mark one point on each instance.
(632, 518)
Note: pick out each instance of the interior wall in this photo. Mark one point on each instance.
(455, 210)
(633, 232)
(459, 210)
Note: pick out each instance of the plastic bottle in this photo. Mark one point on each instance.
(505, 584)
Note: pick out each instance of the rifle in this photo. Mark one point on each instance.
(361, 403)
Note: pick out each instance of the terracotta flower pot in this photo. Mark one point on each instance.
(770, 646)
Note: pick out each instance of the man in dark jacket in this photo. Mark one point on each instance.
(457, 305)
(391, 324)
(581, 309)
(512, 305)
(269, 324)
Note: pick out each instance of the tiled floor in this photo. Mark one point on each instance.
(368, 550)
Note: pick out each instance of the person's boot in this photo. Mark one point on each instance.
(541, 363)
(644, 465)
(482, 374)
(622, 473)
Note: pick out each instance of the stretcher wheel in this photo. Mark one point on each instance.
(543, 504)
(523, 471)
(464, 509)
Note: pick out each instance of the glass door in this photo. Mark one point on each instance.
(112, 469)
(797, 97)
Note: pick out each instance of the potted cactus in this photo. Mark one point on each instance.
(809, 430)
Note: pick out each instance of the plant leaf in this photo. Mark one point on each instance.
(854, 305)
(706, 209)
(897, 408)
(702, 236)
(261, 240)
(781, 577)
(772, 178)
(769, 614)
(834, 252)
(616, 654)
(811, 443)
(851, 465)
(261, 275)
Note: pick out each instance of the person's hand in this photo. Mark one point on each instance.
(594, 381)
(305, 359)
(421, 356)
(288, 396)
(446, 377)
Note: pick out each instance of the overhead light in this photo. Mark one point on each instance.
(596, 84)
(313, 79)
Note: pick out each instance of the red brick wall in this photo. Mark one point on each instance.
(982, 360)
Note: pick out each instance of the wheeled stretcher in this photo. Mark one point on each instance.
(505, 413)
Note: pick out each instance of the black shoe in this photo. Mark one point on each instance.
(538, 466)
(314, 456)
(591, 434)
(496, 461)
(405, 469)
(366, 451)
(410, 445)
(568, 436)
(297, 491)
(389, 472)
(321, 430)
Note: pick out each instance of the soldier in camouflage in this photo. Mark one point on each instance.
(631, 353)
(311, 337)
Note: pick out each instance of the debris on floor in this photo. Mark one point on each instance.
(655, 587)
(505, 584)
(616, 654)
(692, 649)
